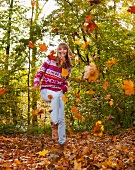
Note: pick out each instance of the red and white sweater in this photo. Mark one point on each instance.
(51, 76)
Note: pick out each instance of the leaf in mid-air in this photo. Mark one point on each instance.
(105, 85)
(30, 44)
(43, 47)
(64, 99)
(64, 72)
(128, 87)
(131, 9)
(50, 97)
(98, 129)
(3, 91)
(74, 109)
(112, 62)
(52, 56)
(33, 3)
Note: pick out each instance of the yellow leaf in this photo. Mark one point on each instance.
(98, 129)
(64, 99)
(43, 153)
(128, 87)
(77, 42)
(64, 72)
(77, 165)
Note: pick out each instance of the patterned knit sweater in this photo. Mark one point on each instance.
(51, 76)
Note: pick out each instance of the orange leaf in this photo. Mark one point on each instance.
(72, 57)
(77, 165)
(128, 87)
(131, 9)
(34, 113)
(77, 94)
(78, 116)
(91, 92)
(64, 72)
(88, 19)
(30, 44)
(50, 97)
(3, 91)
(111, 102)
(74, 109)
(52, 56)
(108, 97)
(105, 85)
(64, 99)
(43, 47)
(112, 62)
(70, 131)
(33, 3)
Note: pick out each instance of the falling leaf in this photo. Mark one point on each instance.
(52, 56)
(3, 91)
(88, 19)
(77, 94)
(43, 153)
(55, 29)
(64, 72)
(70, 131)
(105, 85)
(91, 92)
(128, 87)
(77, 42)
(131, 9)
(85, 45)
(34, 113)
(72, 57)
(77, 165)
(108, 97)
(98, 129)
(30, 44)
(33, 3)
(64, 99)
(50, 97)
(112, 62)
(95, 98)
(77, 61)
(78, 116)
(74, 109)
(43, 47)
(60, 14)
(111, 102)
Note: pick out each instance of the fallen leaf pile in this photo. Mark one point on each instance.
(83, 151)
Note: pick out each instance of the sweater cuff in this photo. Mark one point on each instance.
(64, 89)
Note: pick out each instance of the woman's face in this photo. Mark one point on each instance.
(62, 53)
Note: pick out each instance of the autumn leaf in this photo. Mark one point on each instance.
(91, 92)
(55, 29)
(74, 109)
(131, 9)
(77, 94)
(77, 61)
(111, 102)
(128, 87)
(77, 42)
(64, 99)
(33, 3)
(112, 62)
(105, 85)
(78, 116)
(72, 57)
(77, 165)
(43, 153)
(70, 131)
(108, 97)
(64, 72)
(50, 97)
(85, 45)
(30, 44)
(43, 47)
(88, 19)
(3, 91)
(52, 56)
(98, 129)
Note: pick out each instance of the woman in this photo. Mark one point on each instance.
(55, 85)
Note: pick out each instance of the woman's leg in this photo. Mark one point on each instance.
(57, 114)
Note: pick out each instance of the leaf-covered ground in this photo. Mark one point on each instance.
(83, 151)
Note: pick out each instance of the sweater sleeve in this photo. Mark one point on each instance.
(38, 76)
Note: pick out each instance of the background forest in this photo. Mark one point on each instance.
(98, 31)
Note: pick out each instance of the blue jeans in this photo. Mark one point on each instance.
(57, 114)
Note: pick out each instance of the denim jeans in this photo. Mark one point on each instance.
(57, 114)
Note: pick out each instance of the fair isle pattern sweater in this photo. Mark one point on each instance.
(51, 76)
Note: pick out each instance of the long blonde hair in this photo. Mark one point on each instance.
(68, 63)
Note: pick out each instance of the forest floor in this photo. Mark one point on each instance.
(83, 151)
